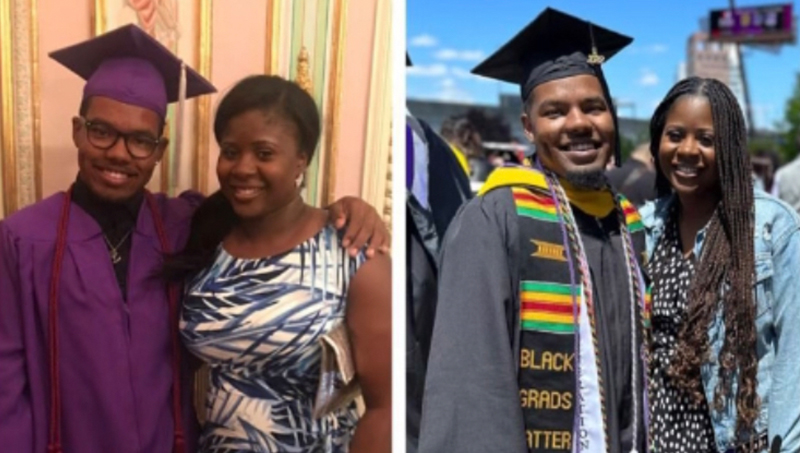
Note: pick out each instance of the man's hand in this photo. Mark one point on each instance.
(364, 226)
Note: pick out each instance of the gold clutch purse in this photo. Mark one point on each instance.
(337, 384)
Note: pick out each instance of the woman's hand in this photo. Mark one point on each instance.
(363, 224)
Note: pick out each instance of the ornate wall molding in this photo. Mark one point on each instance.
(303, 76)
(36, 112)
(203, 110)
(7, 130)
(376, 183)
(20, 131)
(272, 27)
(24, 119)
(331, 115)
(387, 196)
(98, 22)
(314, 28)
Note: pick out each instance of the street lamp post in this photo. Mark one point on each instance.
(748, 106)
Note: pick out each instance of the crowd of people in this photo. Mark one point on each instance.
(573, 306)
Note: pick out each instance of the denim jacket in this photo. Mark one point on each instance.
(777, 295)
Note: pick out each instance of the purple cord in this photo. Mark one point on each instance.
(643, 306)
(409, 158)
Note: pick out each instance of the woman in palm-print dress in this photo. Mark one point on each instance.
(268, 279)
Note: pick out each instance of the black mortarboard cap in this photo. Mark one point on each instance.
(555, 45)
(408, 60)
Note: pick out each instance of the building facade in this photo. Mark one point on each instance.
(715, 60)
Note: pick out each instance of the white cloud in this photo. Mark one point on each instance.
(450, 92)
(423, 40)
(437, 70)
(461, 73)
(649, 78)
(463, 55)
(651, 49)
(434, 70)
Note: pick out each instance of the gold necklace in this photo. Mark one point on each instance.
(115, 256)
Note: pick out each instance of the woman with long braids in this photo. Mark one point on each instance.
(724, 343)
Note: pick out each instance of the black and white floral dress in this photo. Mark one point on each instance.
(677, 425)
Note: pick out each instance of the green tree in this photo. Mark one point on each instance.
(626, 147)
(763, 143)
(789, 149)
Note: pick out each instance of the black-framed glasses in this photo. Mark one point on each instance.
(140, 145)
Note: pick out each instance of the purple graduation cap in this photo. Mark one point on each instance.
(130, 66)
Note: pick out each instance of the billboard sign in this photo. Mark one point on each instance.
(769, 24)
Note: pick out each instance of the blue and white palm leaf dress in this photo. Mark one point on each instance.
(258, 323)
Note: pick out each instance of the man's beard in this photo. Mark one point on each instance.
(587, 179)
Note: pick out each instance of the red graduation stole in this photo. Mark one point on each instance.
(54, 441)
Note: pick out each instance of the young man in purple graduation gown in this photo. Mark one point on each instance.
(90, 361)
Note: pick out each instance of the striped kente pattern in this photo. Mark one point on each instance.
(533, 205)
(547, 307)
(632, 217)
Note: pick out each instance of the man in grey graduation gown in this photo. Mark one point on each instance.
(472, 391)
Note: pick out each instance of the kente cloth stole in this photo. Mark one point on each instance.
(554, 313)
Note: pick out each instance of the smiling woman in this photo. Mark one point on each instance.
(268, 130)
(686, 153)
(724, 261)
(263, 264)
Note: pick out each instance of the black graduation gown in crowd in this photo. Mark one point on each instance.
(448, 190)
(472, 399)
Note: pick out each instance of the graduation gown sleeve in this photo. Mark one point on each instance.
(471, 401)
(448, 184)
(16, 425)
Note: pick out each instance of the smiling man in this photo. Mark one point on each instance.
(537, 338)
(90, 359)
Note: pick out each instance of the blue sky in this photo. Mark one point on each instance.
(448, 38)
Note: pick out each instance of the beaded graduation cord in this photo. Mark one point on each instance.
(54, 444)
(575, 242)
(637, 297)
(572, 239)
(576, 421)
